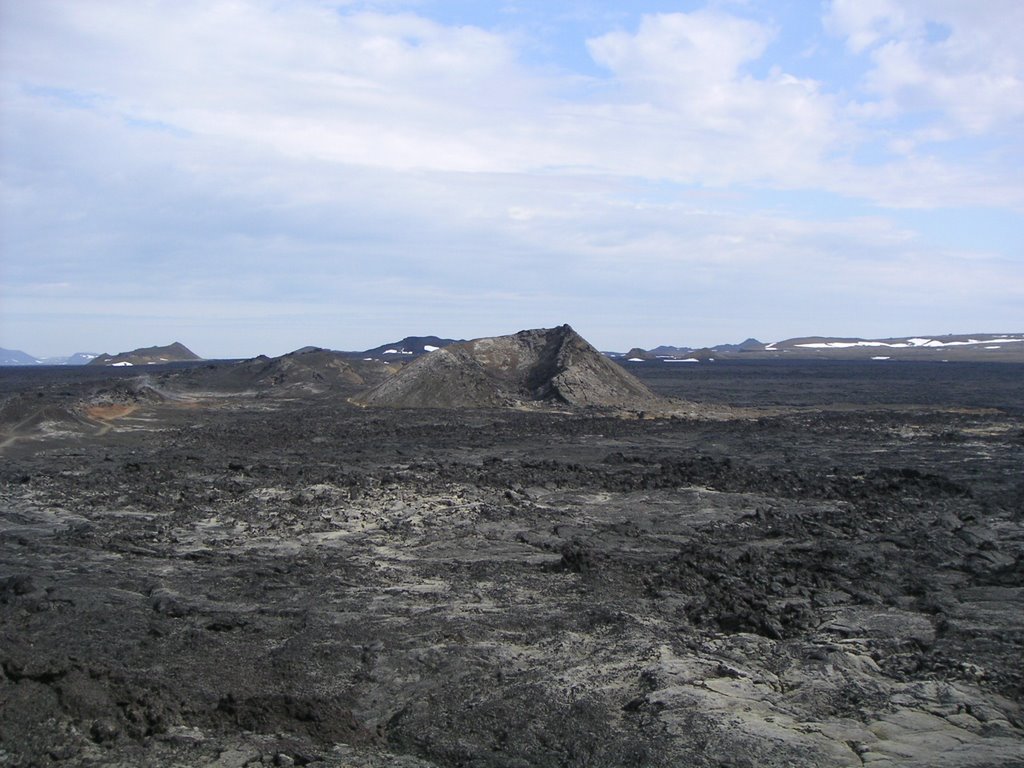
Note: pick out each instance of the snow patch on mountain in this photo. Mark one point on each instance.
(914, 342)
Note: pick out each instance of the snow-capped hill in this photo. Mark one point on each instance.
(16, 357)
(980, 346)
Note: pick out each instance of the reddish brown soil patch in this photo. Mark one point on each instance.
(110, 412)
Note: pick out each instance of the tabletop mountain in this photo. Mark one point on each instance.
(172, 353)
(554, 365)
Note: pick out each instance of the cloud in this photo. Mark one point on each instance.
(315, 82)
(384, 172)
(962, 61)
(682, 54)
(683, 90)
(297, 79)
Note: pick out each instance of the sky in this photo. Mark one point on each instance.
(253, 176)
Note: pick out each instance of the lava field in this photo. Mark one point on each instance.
(810, 565)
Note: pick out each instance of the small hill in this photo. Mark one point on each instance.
(310, 370)
(64, 412)
(172, 353)
(703, 355)
(409, 347)
(749, 345)
(554, 365)
(636, 354)
(668, 351)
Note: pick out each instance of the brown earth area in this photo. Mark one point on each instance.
(109, 412)
(197, 570)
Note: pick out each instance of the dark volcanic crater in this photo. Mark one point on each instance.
(236, 566)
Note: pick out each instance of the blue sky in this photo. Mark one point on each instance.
(252, 176)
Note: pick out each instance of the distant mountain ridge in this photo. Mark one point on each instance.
(980, 347)
(12, 357)
(79, 358)
(16, 357)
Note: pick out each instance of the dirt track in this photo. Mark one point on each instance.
(299, 581)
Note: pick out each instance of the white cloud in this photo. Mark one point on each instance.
(307, 157)
(297, 79)
(403, 92)
(682, 91)
(865, 22)
(682, 54)
(311, 82)
(963, 60)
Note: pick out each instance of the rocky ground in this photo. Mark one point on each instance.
(832, 575)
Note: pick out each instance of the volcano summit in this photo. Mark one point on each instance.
(548, 365)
